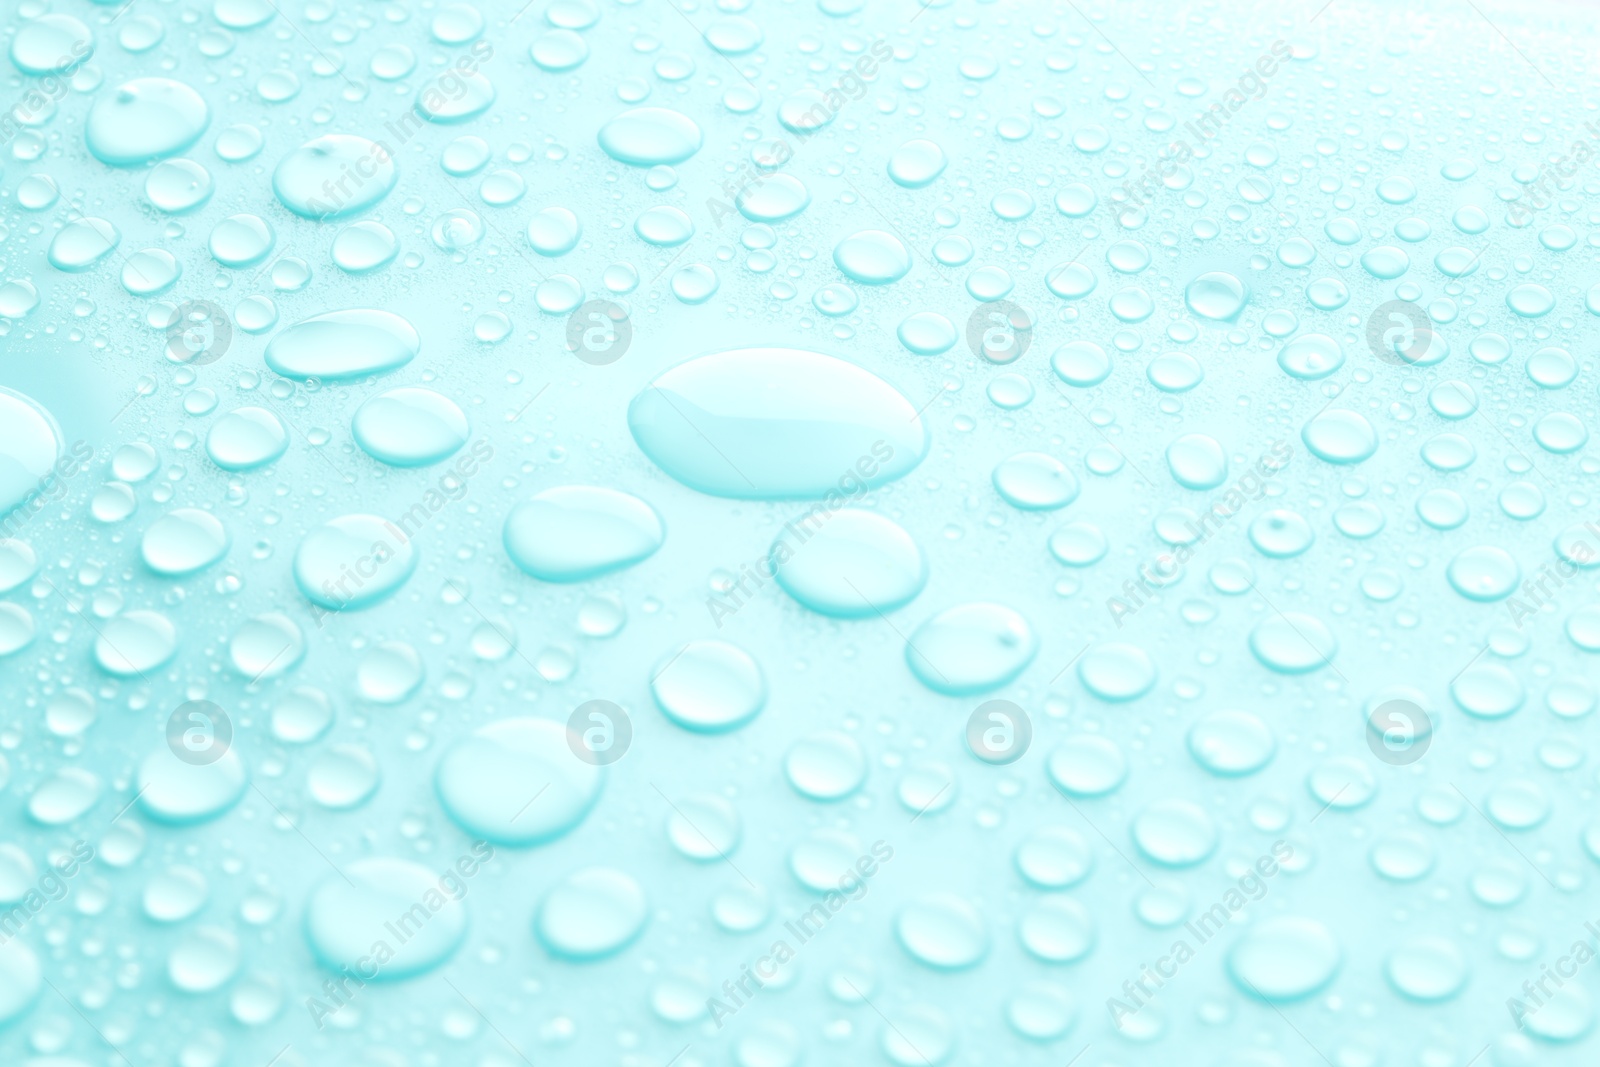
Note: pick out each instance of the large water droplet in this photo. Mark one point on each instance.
(772, 198)
(135, 643)
(82, 243)
(649, 136)
(572, 533)
(30, 445)
(872, 257)
(1175, 833)
(1117, 671)
(848, 564)
(942, 931)
(246, 438)
(353, 561)
(51, 44)
(1284, 958)
(1216, 295)
(516, 782)
(777, 424)
(341, 345)
(971, 648)
(21, 978)
(1034, 481)
(144, 120)
(182, 542)
(1485, 572)
(709, 686)
(409, 427)
(1340, 436)
(333, 176)
(917, 163)
(1293, 643)
(176, 791)
(591, 914)
(385, 919)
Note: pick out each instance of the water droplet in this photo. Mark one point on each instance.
(1484, 573)
(648, 136)
(491, 782)
(772, 198)
(927, 333)
(775, 424)
(1284, 958)
(1311, 357)
(1216, 295)
(410, 427)
(1087, 765)
(1034, 481)
(144, 120)
(1340, 436)
(872, 257)
(709, 686)
(343, 345)
(183, 542)
(313, 181)
(917, 163)
(1117, 671)
(246, 438)
(576, 532)
(348, 918)
(848, 564)
(1293, 643)
(1174, 833)
(1231, 743)
(591, 914)
(971, 648)
(175, 791)
(352, 562)
(942, 931)
(827, 766)
(135, 643)
(82, 243)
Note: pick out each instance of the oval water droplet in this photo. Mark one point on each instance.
(590, 914)
(971, 648)
(493, 782)
(314, 180)
(650, 136)
(848, 564)
(144, 120)
(1284, 958)
(350, 914)
(777, 424)
(709, 686)
(410, 427)
(353, 562)
(575, 532)
(342, 345)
